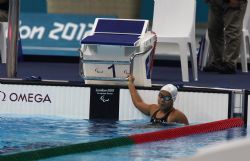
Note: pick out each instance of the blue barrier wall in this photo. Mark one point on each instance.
(33, 6)
(201, 11)
(54, 34)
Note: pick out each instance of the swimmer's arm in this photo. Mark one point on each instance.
(137, 100)
(182, 119)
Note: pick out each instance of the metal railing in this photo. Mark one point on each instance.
(12, 42)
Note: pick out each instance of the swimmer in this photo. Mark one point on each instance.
(163, 112)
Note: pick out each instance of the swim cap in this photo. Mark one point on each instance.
(171, 89)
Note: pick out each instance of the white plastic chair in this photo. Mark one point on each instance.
(206, 52)
(244, 48)
(174, 23)
(3, 40)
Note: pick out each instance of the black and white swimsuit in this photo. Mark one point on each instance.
(164, 119)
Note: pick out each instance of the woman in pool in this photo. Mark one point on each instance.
(163, 112)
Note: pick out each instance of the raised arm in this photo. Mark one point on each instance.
(137, 101)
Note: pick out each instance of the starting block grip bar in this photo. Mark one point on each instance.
(105, 79)
(106, 62)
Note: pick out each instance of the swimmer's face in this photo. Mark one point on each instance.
(165, 99)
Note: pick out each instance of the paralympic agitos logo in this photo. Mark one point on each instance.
(25, 97)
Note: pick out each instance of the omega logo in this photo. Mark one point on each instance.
(25, 97)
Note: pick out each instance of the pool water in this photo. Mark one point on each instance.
(18, 134)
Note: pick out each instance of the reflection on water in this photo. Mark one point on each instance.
(22, 134)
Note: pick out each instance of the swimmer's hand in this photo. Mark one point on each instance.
(131, 79)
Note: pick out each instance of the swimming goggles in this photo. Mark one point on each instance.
(165, 98)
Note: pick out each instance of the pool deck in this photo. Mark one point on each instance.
(162, 74)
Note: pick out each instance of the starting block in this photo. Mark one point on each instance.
(115, 48)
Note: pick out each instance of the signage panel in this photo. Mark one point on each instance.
(53, 34)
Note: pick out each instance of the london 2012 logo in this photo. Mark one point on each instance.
(105, 94)
(24, 97)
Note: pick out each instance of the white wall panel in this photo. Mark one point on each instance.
(128, 111)
(74, 102)
(203, 107)
(71, 102)
(198, 107)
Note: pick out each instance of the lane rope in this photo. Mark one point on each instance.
(121, 141)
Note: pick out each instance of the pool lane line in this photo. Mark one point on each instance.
(187, 130)
(68, 149)
(122, 141)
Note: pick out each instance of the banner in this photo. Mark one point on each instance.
(53, 34)
(42, 100)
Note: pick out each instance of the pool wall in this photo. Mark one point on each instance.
(107, 102)
(247, 104)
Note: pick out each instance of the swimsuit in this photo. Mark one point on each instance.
(160, 120)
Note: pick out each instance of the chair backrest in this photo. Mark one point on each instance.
(246, 22)
(120, 26)
(174, 17)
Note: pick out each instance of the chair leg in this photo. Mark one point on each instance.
(206, 52)
(184, 62)
(2, 40)
(193, 61)
(244, 44)
(3, 27)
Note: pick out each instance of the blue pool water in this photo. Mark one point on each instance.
(19, 134)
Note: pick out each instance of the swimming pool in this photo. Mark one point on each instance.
(19, 134)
